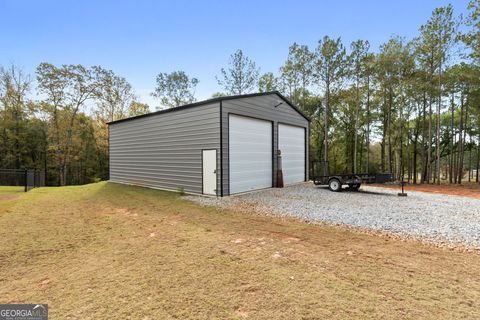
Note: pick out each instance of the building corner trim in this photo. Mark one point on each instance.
(221, 150)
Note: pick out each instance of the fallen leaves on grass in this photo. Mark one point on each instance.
(106, 250)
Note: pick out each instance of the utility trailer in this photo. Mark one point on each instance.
(353, 180)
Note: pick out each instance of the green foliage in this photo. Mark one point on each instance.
(331, 69)
(331, 64)
(14, 87)
(114, 96)
(56, 134)
(472, 37)
(218, 95)
(411, 106)
(175, 89)
(138, 108)
(241, 76)
(267, 82)
(388, 111)
(297, 73)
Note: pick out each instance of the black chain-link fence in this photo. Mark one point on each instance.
(28, 179)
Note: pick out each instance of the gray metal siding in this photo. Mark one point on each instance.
(261, 107)
(165, 151)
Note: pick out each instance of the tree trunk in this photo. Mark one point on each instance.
(470, 161)
(423, 177)
(455, 163)
(355, 138)
(320, 142)
(325, 144)
(409, 166)
(361, 148)
(368, 127)
(402, 166)
(460, 142)
(384, 131)
(429, 152)
(58, 152)
(462, 146)
(17, 138)
(389, 133)
(478, 160)
(452, 123)
(415, 149)
(439, 107)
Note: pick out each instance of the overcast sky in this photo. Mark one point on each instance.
(138, 39)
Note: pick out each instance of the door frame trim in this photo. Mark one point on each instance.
(305, 144)
(272, 123)
(216, 168)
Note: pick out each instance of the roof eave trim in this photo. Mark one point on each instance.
(213, 100)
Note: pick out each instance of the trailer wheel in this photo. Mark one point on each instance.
(334, 185)
(354, 186)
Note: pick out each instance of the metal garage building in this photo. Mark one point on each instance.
(220, 146)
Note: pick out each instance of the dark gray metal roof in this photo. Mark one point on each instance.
(201, 103)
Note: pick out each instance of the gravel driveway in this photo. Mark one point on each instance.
(433, 217)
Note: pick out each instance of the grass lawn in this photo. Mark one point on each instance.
(106, 251)
(4, 191)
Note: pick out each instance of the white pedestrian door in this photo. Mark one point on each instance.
(250, 152)
(291, 142)
(209, 167)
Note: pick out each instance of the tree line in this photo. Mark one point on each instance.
(411, 108)
(64, 131)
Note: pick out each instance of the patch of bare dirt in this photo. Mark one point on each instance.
(119, 211)
(471, 190)
(126, 212)
(45, 283)
(8, 197)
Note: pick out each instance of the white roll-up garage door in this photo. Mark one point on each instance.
(291, 142)
(250, 154)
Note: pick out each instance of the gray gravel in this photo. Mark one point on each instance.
(433, 217)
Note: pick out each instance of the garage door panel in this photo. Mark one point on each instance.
(291, 142)
(250, 154)
(258, 147)
(252, 166)
(242, 179)
(258, 131)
